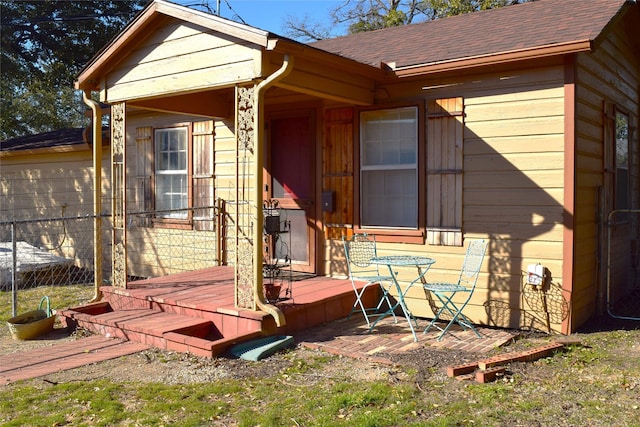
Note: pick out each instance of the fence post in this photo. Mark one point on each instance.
(219, 229)
(14, 271)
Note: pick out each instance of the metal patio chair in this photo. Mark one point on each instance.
(465, 284)
(359, 250)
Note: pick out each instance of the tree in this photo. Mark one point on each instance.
(358, 16)
(444, 8)
(368, 15)
(44, 46)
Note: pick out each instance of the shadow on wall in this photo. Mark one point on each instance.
(513, 188)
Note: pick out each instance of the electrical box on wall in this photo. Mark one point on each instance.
(328, 201)
(536, 275)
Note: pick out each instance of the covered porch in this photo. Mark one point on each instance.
(235, 95)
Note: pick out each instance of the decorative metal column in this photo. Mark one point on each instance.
(118, 196)
(244, 212)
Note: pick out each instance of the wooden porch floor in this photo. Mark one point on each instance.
(212, 290)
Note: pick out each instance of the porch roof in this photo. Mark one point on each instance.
(136, 66)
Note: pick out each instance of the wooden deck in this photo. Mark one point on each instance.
(195, 311)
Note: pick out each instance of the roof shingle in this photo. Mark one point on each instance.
(507, 29)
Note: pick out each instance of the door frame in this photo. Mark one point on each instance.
(312, 215)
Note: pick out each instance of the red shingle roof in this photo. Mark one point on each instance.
(511, 28)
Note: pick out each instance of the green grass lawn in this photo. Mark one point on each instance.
(596, 383)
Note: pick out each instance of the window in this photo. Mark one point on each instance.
(174, 179)
(171, 173)
(622, 176)
(389, 168)
(411, 173)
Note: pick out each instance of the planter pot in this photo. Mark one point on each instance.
(33, 323)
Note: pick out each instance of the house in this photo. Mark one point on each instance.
(517, 125)
(47, 174)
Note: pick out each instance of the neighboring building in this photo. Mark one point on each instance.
(517, 125)
(44, 178)
(48, 175)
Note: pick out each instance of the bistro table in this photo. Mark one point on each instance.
(422, 265)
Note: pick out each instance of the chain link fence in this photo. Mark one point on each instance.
(46, 232)
(55, 256)
(40, 257)
(174, 241)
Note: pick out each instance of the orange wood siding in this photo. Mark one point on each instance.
(337, 176)
(513, 189)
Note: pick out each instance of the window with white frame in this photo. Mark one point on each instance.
(171, 172)
(389, 168)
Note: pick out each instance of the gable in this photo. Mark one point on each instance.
(170, 48)
(182, 57)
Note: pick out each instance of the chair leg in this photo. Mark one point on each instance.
(456, 316)
(445, 306)
(372, 311)
(461, 320)
(435, 319)
(358, 302)
(465, 323)
(385, 297)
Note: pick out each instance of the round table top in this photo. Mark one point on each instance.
(403, 260)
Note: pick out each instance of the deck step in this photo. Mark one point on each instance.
(155, 323)
(162, 330)
(196, 311)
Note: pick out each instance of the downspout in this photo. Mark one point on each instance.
(97, 192)
(258, 292)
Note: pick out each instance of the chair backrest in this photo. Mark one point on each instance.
(359, 249)
(472, 263)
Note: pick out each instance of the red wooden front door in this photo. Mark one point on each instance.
(290, 181)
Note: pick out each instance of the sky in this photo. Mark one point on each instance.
(269, 15)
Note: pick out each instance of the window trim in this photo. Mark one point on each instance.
(395, 234)
(177, 223)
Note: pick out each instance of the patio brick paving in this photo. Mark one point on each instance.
(60, 357)
(350, 337)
